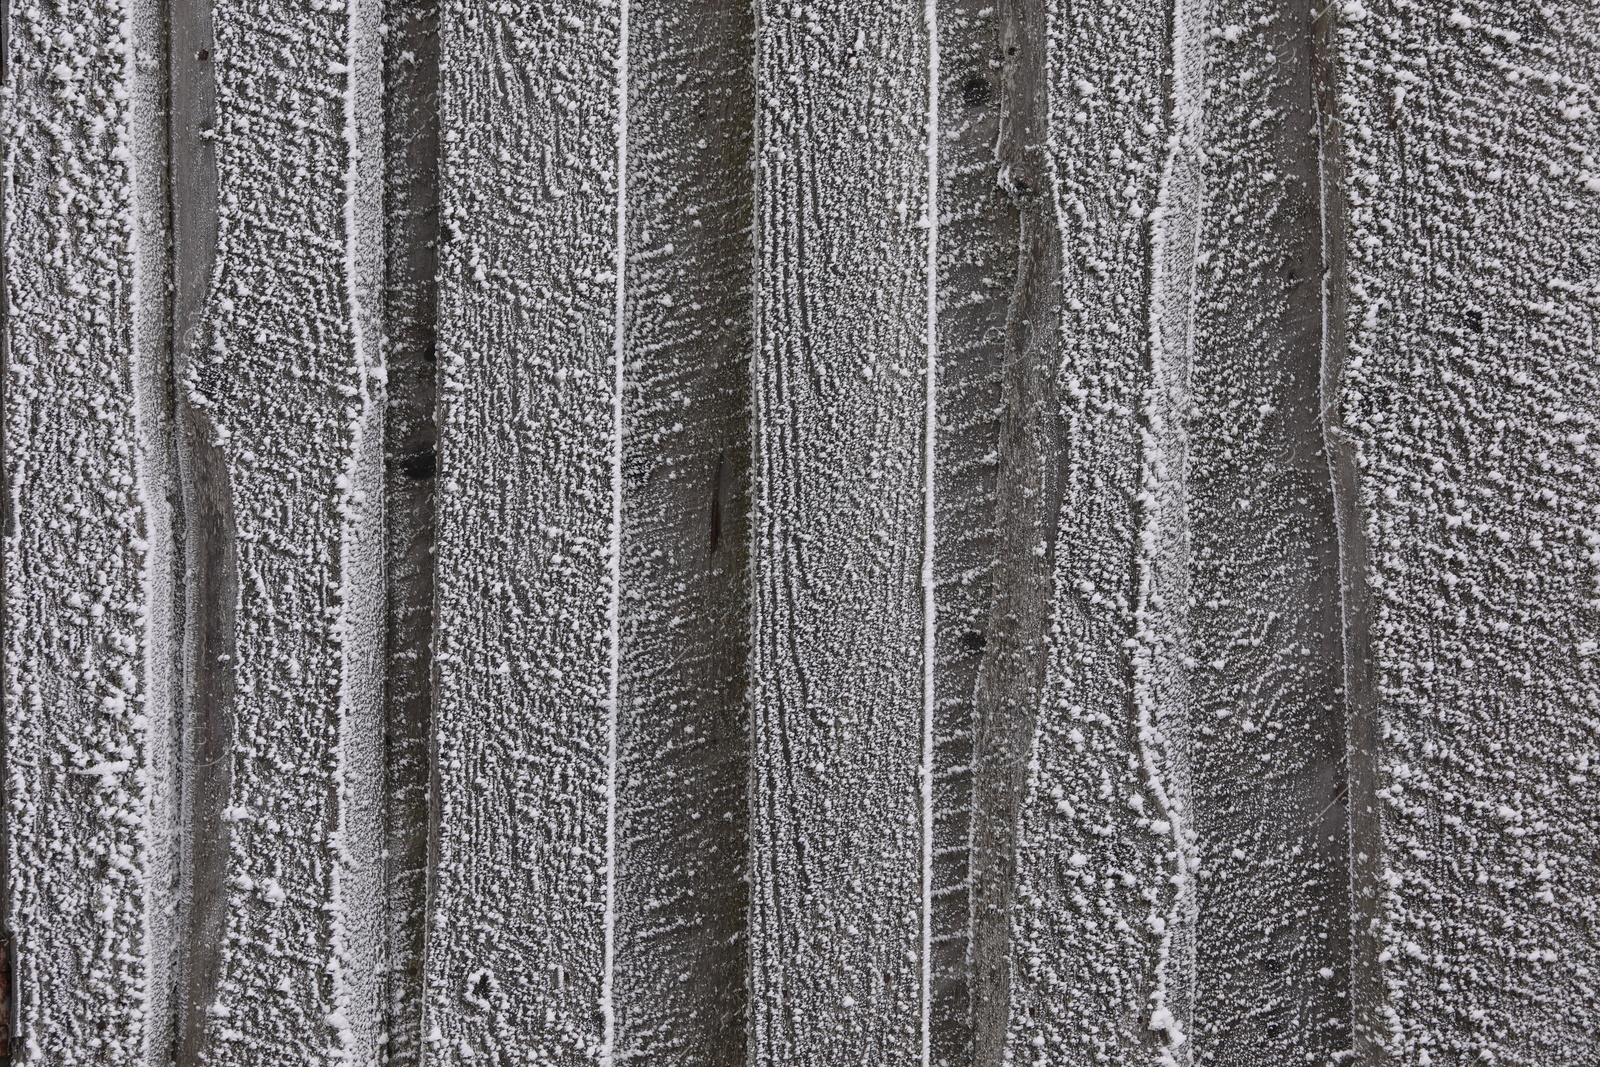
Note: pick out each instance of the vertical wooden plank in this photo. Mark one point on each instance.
(1027, 504)
(411, 233)
(683, 728)
(1464, 385)
(838, 643)
(519, 941)
(209, 580)
(283, 392)
(1268, 740)
(978, 259)
(87, 566)
(1083, 892)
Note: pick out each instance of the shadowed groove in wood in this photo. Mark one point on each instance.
(977, 249)
(211, 569)
(411, 232)
(1364, 842)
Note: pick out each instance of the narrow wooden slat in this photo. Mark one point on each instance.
(1083, 889)
(1026, 513)
(1463, 390)
(411, 231)
(280, 382)
(977, 262)
(1272, 942)
(209, 585)
(683, 735)
(838, 642)
(520, 920)
(88, 542)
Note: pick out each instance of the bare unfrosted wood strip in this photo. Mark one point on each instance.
(518, 947)
(683, 734)
(837, 648)
(1466, 390)
(1099, 964)
(411, 230)
(88, 542)
(209, 576)
(281, 377)
(1272, 950)
(1027, 506)
(977, 257)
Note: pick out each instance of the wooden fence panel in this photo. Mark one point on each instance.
(716, 532)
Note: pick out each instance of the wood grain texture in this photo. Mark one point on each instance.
(1462, 395)
(88, 544)
(280, 378)
(837, 622)
(683, 726)
(520, 912)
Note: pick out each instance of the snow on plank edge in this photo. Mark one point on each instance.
(286, 396)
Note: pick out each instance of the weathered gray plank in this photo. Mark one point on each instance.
(88, 542)
(1465, 384)
(683, 727)
(411, 232)
(1027, 504)
(520, 914)
(282, 392)
(1083, 894)
(839, 634)
(977, 261)
(209, 579)
(1265, 648)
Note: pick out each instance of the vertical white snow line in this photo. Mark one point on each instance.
(929, 604)
(608, 1011)
(355, 950)
(753, 534)
(1163, 460)
(142, 136)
